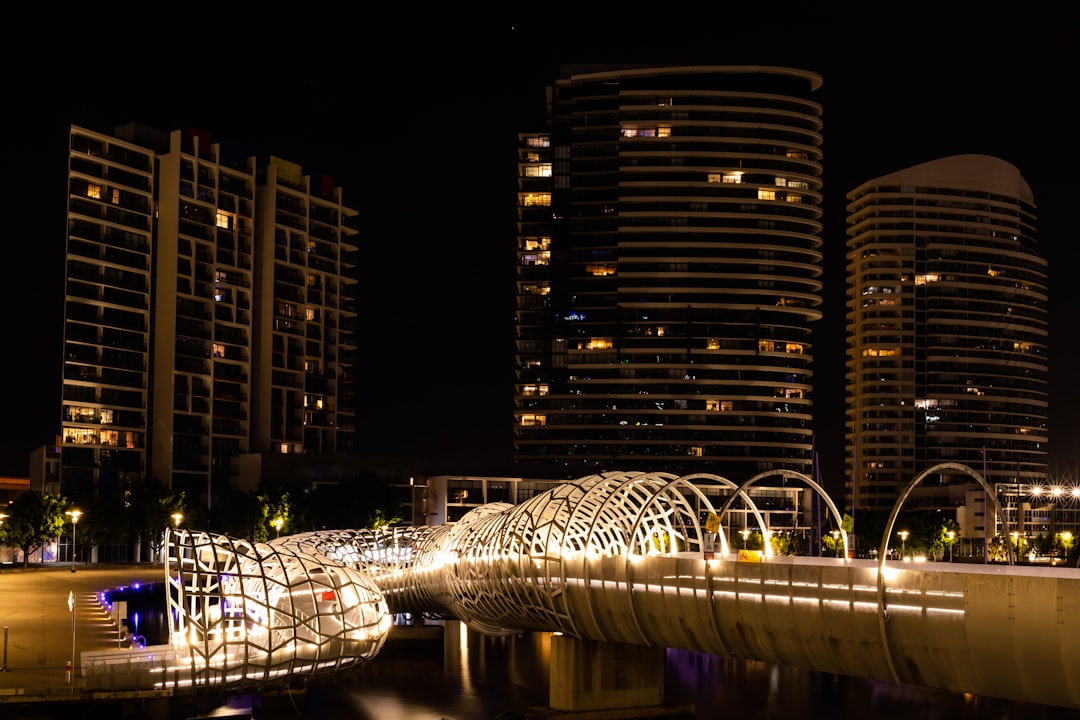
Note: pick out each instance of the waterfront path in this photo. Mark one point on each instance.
(38, 635)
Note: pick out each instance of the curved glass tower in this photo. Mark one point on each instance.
(669, 271)
(947, 327)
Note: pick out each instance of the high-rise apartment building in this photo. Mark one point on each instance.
(207, 312)
(669, 256)
(946, 326)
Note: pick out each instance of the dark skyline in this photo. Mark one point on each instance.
(422, 139)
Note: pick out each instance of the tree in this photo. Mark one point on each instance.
(33, 519)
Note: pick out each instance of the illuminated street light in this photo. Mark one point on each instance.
(1016, 543)
(278, 522)
(176, 518)
(836, 543)
(75, 514)
(903, 543)
(951, 535)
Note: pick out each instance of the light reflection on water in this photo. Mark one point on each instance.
(478, 677)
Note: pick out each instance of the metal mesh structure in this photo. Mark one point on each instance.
(253, 614)
(310, 605)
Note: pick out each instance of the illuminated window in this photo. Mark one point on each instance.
(664, 102)
(696, 451)
(796, 348)
(224, 220)
(535, 390)
(81, 414)
(533, 420)
(541, 170)
(765, 346)
(600, 344)
(628, 132)
(309, 313)
(1022, 347)
(106, 416)
(80, 436)
(763, 194)
(880, 352)
(93, 191)
(733, 178)
(542, 243)
(535, 199)
(538, 141)
(926, 279)
(116, 196)
(313, 401)
(794, 198)
(712, 344)
(219, 350)
(663, 131)
(542, 258)
(600, 270)
(798, 184)
(781, 181)
(992, 272)
(712, 405)
(797, 154)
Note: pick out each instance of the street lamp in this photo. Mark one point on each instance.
(903, 543)
(75, 514)
(278, 522)
(745, 534)
(1016, 542)
(951, 534)
(836, 543)
(176, 518)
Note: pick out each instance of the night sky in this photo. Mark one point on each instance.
(418, 124)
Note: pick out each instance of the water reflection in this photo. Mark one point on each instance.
(477, 677)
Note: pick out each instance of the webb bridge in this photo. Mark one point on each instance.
(619, 567)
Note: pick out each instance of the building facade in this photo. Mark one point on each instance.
(669, 248)
(946, 327)
(207, 312)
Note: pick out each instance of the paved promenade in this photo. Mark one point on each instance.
(36, 638)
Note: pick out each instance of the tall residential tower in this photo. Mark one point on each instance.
(946, 326)
(207, 312)
(669, 247)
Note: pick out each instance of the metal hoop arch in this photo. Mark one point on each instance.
(884, 549)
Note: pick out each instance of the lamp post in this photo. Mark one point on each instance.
(836, 543)
(278, 522)
(745, 534)
(1016, 543)
(176, 518)
(903, 543)
(951, 534)
(75, 514)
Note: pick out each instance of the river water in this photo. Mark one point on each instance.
(477, 677)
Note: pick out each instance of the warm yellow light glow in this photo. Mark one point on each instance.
(75, 515)
(176, 518)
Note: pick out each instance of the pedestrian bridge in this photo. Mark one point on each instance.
(620, 566)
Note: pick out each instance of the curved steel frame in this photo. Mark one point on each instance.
(884, 549)
(311, 605)
(244, 614)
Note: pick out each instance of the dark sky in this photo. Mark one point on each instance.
(418, 123)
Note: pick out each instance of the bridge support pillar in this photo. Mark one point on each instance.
(591, 675)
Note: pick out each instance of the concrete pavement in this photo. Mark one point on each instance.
(39, 636)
